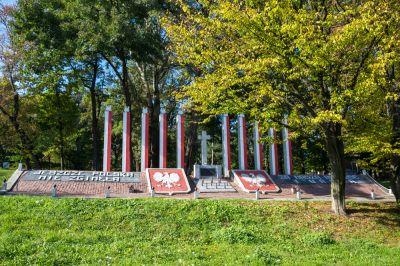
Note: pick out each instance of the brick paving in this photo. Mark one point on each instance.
(80, 188)
(137, 190)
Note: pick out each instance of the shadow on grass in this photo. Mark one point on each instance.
(385, 215)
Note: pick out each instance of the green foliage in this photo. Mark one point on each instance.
(265, 257)
(318, 239)
(111, 51)
(286, 57)
(5, 173)
(235, 235)
(38, 230)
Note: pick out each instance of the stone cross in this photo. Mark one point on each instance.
(204, 137)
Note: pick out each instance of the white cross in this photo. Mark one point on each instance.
(204, 137)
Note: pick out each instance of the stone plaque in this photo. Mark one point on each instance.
(207, 171)
(253, 180)
(81, 176)
(167, 181)
(319, 179)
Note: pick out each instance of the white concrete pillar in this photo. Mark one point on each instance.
(126, 140)
(226, 144)
(107, 139)
(180, 141)
(145, 141)
(287, 151)
(258, 157)
(273, 153)
(163, 139)
(242, 145)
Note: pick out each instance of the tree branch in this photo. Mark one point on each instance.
(112, 66)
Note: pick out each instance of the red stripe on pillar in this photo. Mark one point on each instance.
(244, 143)
(276, 154)
(109, 141)
(165, 141)
(182, 142)
(146, 141)
(128, 142)
(228, 138)
(260, 150)
(290, 154)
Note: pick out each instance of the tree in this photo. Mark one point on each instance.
(379, 142)
(79, 43)
(269, 58)
(127, 37)
(54, 51)
(10, 90)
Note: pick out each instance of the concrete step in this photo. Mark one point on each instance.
(215, 185)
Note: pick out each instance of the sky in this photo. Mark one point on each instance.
(7, 2)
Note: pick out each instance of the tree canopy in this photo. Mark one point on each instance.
(315, 61)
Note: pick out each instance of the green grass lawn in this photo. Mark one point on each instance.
(5, 173)
(71, 231)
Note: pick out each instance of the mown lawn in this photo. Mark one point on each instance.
(5, 173)
(44, 231)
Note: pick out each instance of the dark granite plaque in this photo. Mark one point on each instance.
(208, 171)
(319, 179)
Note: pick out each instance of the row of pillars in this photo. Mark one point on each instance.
(180, 153)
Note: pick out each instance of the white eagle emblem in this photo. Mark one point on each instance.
(255, 180)
(169, 180)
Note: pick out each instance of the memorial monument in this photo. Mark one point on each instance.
(204, 170)
(208, 178)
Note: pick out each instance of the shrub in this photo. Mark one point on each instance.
(234, 234)
(318, 239)
(265, 257)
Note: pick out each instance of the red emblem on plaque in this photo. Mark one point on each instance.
(167, 181)
(252, 180)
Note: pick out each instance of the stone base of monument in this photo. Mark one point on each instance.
(76, 183)
(255, 180)
(208, 179)
(167, 181)
(214, 185)
(311, 186)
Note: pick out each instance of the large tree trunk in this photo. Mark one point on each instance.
(395, 177)
(60, 128)
(125, 82)
(335, 150)
(154, 106)
(191, 146)
(95, 127)
(395, 168)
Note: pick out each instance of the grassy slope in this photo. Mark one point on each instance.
(5, 173)
(37, 230)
